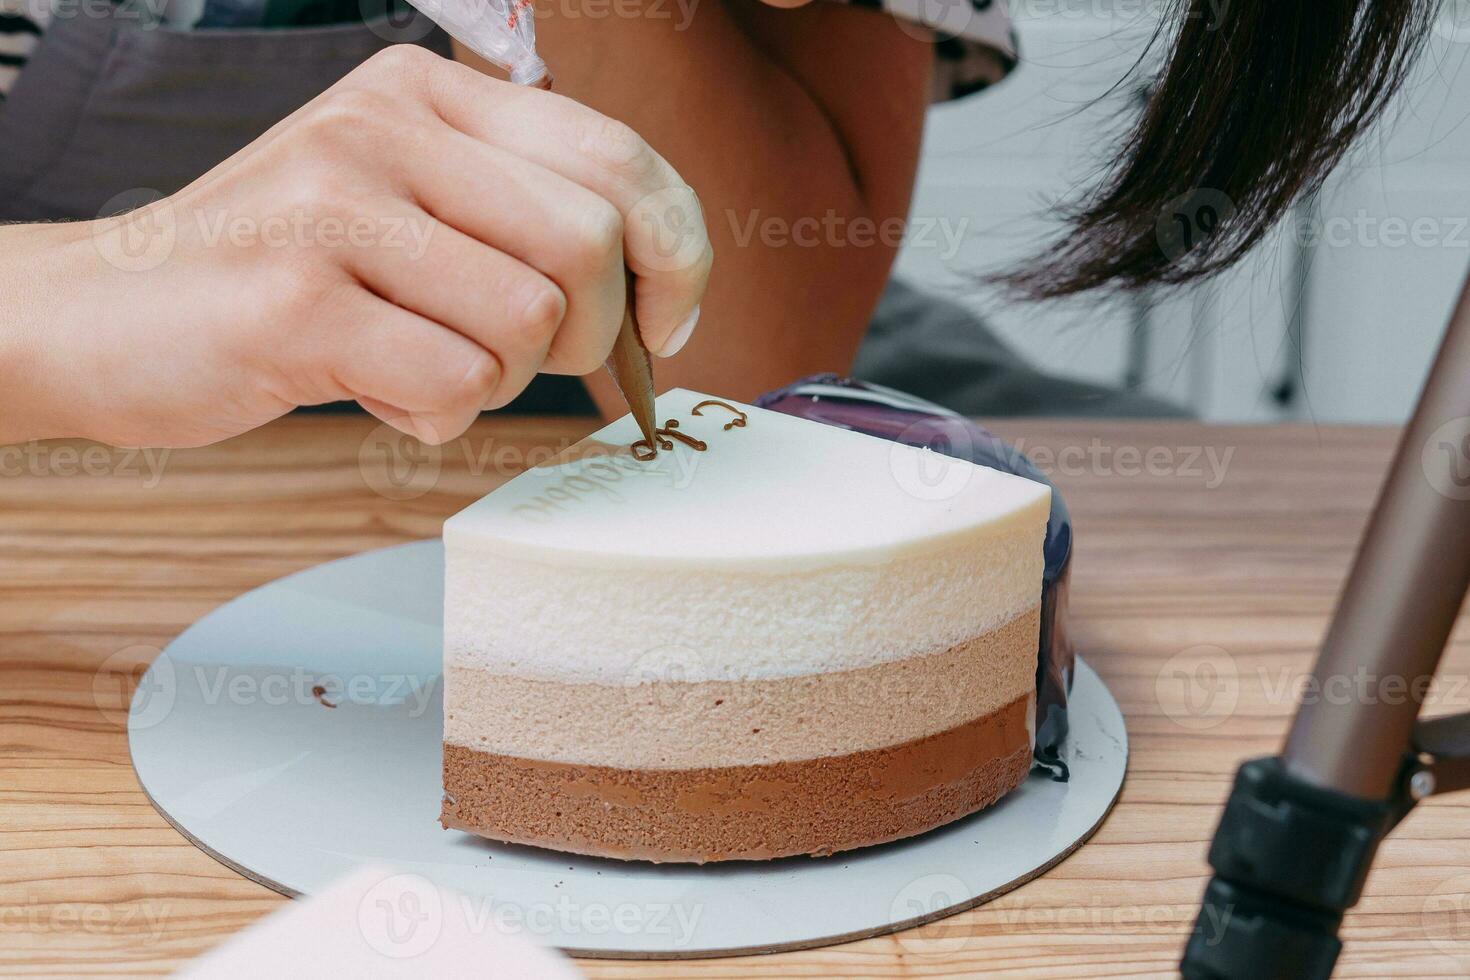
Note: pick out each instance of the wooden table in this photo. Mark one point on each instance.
(105, 557)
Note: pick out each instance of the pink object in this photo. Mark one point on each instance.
(382, 923)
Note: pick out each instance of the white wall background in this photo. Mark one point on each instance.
(1392, 238)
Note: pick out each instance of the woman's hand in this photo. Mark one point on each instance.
(420, 238)
(801, 129)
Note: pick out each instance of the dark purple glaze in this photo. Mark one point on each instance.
(890, 414)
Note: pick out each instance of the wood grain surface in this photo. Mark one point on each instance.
(1207, 563)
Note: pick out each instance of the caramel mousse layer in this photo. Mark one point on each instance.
(660, 722)
(815, 806)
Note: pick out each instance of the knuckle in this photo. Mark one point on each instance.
(320, 194)
(601, 234)
(348, 116)
(480, 379)
(618, 147)
(398, 61)
(542, 307)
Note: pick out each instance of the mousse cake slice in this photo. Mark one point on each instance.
(775, 637)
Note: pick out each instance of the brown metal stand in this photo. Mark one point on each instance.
(1299, 832)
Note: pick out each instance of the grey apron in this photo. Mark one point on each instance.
(109, 105)
(110, 108)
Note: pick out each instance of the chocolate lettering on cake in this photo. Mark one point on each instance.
(737, 422)
(671, 431)
(665, 435)
(643, 450)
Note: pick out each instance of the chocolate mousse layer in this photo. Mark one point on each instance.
(812, 806)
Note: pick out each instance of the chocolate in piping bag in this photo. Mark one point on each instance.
(632, 369)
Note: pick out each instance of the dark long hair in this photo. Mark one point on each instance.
(1257, 101)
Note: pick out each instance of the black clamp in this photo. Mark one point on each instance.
(1289, 858)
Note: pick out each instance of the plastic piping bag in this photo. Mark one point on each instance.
(502, 32)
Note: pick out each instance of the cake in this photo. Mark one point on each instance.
(776, 637)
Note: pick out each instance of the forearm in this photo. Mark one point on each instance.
(41, 261)
(803, 206)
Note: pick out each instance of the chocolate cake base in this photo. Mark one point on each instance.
(813, 806)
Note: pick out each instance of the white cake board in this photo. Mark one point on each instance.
(236, 752)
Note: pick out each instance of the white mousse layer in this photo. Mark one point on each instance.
(789, 548)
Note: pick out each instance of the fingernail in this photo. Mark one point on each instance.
(680, 336)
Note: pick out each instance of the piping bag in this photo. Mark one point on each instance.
(503, 32)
